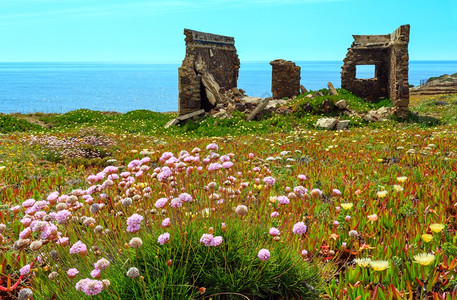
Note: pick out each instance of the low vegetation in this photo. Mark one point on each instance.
(112, 206)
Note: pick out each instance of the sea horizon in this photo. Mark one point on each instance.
(62, 86)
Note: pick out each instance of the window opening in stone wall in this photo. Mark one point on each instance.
(365, 71)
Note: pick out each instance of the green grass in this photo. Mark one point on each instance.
(227, 271)
(12, 124)
(304, 114)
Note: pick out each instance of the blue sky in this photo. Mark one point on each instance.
(152, 31)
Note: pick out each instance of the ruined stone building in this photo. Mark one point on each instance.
(389, 54)
(209, 68)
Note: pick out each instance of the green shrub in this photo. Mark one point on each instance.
(227, 271)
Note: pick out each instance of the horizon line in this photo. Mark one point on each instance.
(176, 62)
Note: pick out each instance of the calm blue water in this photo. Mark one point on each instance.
(62, 87)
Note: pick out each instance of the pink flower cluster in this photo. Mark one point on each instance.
(164, 238)
(133, 223)
(269, 180)
(209, 240)
(89, 287)
(263, 254)
(299, 228)
(78, 247)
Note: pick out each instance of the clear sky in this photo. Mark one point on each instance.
(152, 31)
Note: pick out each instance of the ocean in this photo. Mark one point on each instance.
(122, 87)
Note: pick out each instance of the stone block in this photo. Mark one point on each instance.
(327, 123)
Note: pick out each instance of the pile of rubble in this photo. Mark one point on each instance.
(236, 100)
(226, 103)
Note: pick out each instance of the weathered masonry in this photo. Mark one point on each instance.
(209, 69)
(285, 79)
(389, 55)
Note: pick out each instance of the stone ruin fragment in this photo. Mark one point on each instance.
(209, 68)
(389, 55)
(285, 79)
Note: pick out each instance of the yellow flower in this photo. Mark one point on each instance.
(381, 194)
(363, 262)
(427, 237)
(424, 258)
(436, 227)
(398, 188)
(347, 206)
(402, 178)
(379, 265)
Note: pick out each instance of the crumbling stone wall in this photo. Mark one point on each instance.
(389, 54)
(213, 58)
(285, 79)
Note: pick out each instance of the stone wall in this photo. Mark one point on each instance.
(285, 79)
(389, 54)
(206, 55)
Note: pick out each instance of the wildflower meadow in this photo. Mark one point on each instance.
(98, 209)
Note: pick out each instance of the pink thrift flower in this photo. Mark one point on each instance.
(206, 239)
(299, 228)
(302, 177)
(25, 270)
(63, 241)
(96, 273)
(304, 253)
(89, 287)
(26, 233)
(72, 272)
(336, 192)
(300, 190)
(28, 203)
(224, 158)
(102, 264)
(274, 214)
(217, 240)
(78, 247)
(15, 209)
(283, 200)
(164, 238)
(274, 231)
(214, 166)
(62, 216)
(176, 203)
(26, 221)
(263, 254)
(166, 222)
(185, 197)
(52, 197)
(227, 165)
(251, 155)
(161, 202)
(133, 223)
(269, 180)
(212, 146)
